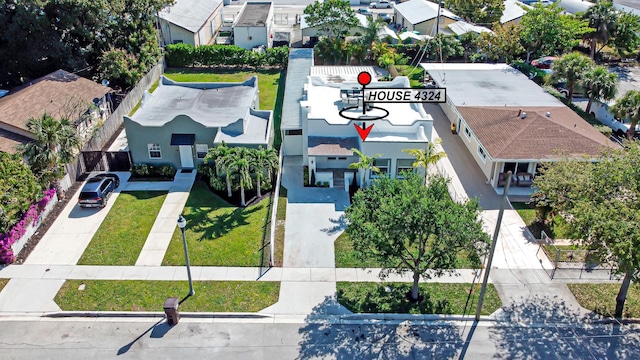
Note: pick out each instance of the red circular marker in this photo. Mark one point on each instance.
(364, 78)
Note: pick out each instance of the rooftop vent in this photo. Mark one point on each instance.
(548, 114)
(523, 115)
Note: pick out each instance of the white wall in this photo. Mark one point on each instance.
(249, 37)
(172, 33)
(323, 162)
(292, 144)
(324, 176)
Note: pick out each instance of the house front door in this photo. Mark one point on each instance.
(186, 156)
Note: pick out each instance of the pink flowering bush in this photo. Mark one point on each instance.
(30, 217)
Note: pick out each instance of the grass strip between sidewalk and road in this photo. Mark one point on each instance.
(123, 232)
(140, 295)
(218, 233)
(601, 298)
(439, 298)
(281, 219)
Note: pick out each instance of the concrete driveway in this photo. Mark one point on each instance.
(315, 218)
(67, 238)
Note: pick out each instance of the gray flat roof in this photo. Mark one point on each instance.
(189, 14)
(298, 69)
(210, 104)
(488, 85)
(254, 14)
(256, 130)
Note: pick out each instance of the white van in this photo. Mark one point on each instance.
(602, 112)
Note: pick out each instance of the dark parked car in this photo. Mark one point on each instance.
(366, 12)
(97, 190)
(385, 17)
(544, 62)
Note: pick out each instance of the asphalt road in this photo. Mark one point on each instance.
(72, 339)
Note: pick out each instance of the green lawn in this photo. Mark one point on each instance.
(439, 298)
(416, 74)
(558, 229)
(281, 218)
(137, 295)
(345, 256)
(151, 89)
(124, 231)
(219, 234)
(601, 298)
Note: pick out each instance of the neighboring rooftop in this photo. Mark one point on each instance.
(488, 85)
(210, 104)
(254, 14)
(54, 94)
(340, 74)
(574, 6)
(463, 27)
(507, 136)
(10, 141)
(513, 10)
(298, 69)
(332, 146)
(629, 6)
(419, 11)
(189, 14)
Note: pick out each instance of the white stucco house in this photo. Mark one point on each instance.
(422, 16)
(192, 22)
(508, 122)
(313, 127)
(253, 26)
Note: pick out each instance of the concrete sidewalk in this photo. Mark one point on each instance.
(166, 222)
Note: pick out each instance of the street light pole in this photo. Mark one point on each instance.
(182, 223)
(493, 246)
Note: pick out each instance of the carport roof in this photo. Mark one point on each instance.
(189, 14)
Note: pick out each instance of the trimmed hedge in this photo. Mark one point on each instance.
(186, 55)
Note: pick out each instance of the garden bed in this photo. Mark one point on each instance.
(140, 295)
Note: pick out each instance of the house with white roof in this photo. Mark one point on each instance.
(422, 16)
(462, 27)
(513, 12)
(179, 122)
(509, 123)
(313, 128)
(192, 22)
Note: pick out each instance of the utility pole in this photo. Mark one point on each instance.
(438, 18)
(493, 246)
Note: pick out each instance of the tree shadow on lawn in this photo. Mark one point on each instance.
(220, 225)
(323, 339)
(545, 328)
(392, 299)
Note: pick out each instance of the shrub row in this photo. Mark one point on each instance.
(30, 217)
(153, 170)
(186, 55)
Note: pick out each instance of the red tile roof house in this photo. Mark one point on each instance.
(60, 94)
(508, 122)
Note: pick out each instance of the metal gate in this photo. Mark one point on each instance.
(118, 160)
(93, 161)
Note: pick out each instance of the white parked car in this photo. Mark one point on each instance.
(380, 4)
(601, 112)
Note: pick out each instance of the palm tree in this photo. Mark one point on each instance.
(241, 166)
(571, 68)
(428, 157)
(600, 84)
(223, 157)
(365, 164)
(628, 107)
(602, 18)
(55, 143)
(263, 160)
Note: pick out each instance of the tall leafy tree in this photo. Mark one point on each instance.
(366, 164)
(602, 18)
(481, 12)
(628, 107)
(600, 84)
(546, 31)
(602, 199)
(443, 47)
(503, 43)
(625, 34)
(412, 228)
(428, 157)
(469, 42)
(571, 68)
(332, 18)
(19, 188)
(55, 143)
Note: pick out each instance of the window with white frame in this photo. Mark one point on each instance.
(154, 151)
(403, 165)
(383, 165)
(482, 153)
(467, 132)
(201, 150)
